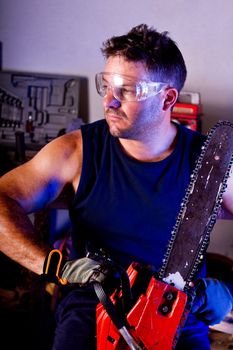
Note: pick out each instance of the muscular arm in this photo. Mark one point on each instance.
(31, 187)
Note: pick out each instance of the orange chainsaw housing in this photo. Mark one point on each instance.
(154, 321)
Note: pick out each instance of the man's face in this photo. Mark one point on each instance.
(127, 119)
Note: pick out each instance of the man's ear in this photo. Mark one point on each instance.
(170, 97)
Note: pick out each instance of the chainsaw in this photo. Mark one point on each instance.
(156, 314)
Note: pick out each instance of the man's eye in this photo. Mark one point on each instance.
(104, 87)
(127, 91)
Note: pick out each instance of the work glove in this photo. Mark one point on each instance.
(79, 271)
(213, 300)
(83, 271)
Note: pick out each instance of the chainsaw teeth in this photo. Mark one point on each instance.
(183, 207)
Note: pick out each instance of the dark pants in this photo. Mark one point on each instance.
(76, 325)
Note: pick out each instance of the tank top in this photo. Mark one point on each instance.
(125, 206)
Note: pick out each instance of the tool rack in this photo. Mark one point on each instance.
(36, 108)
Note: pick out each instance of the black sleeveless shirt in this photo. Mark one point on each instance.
(129, 207)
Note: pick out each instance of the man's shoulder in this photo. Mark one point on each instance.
(95, 134)
(98, 125)
(191, 136)
(190, 143)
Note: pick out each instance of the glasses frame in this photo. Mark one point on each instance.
(144, 89)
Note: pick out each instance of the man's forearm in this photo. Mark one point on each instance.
(18, 239)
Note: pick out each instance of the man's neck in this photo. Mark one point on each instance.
(152, 149)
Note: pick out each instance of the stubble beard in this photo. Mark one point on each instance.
(145, 124)
(114, 129)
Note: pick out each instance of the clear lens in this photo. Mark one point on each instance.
(125, 88)
(100, 86)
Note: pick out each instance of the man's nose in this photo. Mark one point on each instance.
(110, 101)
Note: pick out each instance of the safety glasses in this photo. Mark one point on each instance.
(125, 88)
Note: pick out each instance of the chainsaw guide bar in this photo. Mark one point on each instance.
(199, 208)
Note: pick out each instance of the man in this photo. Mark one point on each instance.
(128, 175)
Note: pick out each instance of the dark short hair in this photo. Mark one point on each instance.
(157, 50)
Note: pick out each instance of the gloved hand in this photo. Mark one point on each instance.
(80, 271)
(83, 271)
(213, 300)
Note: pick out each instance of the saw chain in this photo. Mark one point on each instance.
(199, 208)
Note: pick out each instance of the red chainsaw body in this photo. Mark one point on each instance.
(154, 320)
